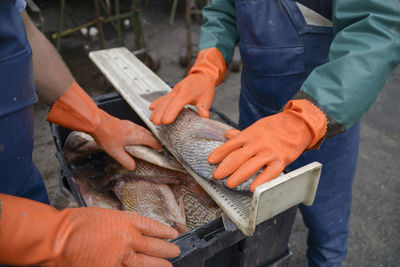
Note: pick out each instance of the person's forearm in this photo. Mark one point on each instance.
(363, 53)
(219, 28)
(51, 75)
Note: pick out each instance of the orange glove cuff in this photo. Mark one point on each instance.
(312, 116)
(211, 62)
(28, 231)
(75, 110)
(32, 233)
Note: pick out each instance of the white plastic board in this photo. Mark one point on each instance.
(139, 86)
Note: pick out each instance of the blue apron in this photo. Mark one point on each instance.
(18, 175)
(279, 50)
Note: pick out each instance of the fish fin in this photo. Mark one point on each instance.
(181, 228)
(118, 189)
(154, 157)
(211, 134)
(201, 194)
(211, 129)
(182, 208)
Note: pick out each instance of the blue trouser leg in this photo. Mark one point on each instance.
(328, 218)
(279, 50)
(18, 175)
(37, 190)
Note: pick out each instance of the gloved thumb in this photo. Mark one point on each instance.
(204, 103)
(138, 135)
(203, 110)
(231, 133)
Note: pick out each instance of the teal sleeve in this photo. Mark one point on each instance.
(364, 52)
(219, 28)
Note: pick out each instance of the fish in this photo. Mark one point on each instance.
(158, 188)
(153, 200)
(199, 207)
(144, 170)
(144, 190)
(84, 176)
(95, 198)
(79, 145)
(191, 138)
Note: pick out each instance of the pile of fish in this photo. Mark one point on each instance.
(157, 188)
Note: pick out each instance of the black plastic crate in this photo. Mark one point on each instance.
(209, 245)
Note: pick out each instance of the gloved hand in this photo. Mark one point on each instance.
(274, 141)
(196, 89)
(32, 233)
(77, 111)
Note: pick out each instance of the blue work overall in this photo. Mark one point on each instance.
(279, 50)
(18, 175)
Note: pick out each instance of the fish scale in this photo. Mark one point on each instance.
(193, 138)
(155, 201)
(196, 213)
(162, 192)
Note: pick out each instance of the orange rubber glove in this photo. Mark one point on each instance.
(196, 89)
(274, 141)
(32, 233)
(77, 111)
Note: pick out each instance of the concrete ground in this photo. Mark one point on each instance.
(374, 227)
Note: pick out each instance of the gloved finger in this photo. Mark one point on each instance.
(204, 103)
(156, 247)
(139, 260)
(150, 227)
(158, 113)
(141, 136)
(247, 169)
(159, 107)
(149, 141)
(120, 155)
(231, 133)
(175, 106)
(233, 161)
(157, 102)
(203, 110)
(271, 172)
(223, 150)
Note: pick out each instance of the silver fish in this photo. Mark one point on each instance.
(192, 138)
(153, 200)
(158, 187)
(144, 190)
(199, 207)
(84, 177)
(94, 198)
(79, 145)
